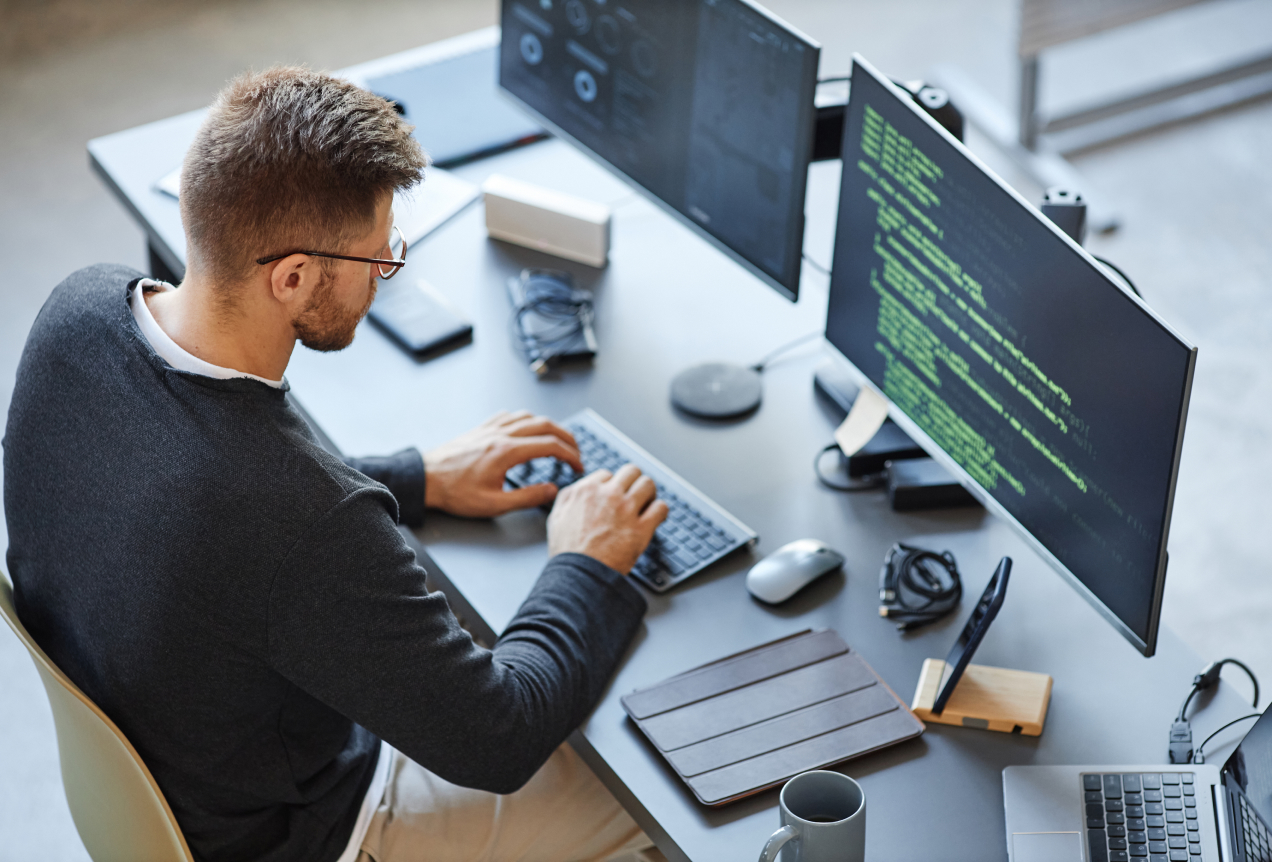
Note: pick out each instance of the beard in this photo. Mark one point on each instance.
(324, 324)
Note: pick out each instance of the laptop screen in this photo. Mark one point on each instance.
(1250, 767)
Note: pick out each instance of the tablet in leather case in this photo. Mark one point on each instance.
(750, 721)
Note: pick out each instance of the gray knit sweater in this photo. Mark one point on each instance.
(241, 603)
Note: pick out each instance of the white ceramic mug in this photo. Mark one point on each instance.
(823, 820)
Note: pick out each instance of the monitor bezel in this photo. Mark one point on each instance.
(790, 291)
(1146, 645)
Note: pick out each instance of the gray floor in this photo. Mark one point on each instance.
(1197, 201)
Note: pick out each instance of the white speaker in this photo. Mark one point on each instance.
(547, 220)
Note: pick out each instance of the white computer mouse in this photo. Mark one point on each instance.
(790, 568)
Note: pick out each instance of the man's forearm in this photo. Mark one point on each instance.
(403, 474)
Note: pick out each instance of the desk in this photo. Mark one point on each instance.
(667, 300)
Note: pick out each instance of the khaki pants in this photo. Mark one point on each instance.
(564, 813)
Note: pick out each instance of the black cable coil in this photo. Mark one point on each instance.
(917, 586)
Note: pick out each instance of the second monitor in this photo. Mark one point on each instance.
(1056, 396)
(707, 106)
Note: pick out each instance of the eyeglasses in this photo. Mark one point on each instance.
(387, 268)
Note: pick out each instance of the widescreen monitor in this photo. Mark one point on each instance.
(1053, 393)
(705, 105)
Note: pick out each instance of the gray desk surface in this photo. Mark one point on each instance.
(667, 300)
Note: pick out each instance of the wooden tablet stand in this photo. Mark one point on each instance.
(991, 698)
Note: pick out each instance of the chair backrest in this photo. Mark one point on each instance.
(118, 808)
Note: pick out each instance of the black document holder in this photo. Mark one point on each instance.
(748, 722)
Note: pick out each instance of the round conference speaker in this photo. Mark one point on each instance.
(717, 390)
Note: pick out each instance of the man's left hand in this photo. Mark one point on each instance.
(466, 476)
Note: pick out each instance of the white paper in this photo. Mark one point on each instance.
(864, 420)
(417, 213)
(429, 205)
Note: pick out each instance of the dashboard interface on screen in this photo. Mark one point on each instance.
(1056, 392)
(706, 104)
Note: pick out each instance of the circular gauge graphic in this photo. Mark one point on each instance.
(531, 49)
(607, 34)
(645, 58)
(585, 85)
(576, 14)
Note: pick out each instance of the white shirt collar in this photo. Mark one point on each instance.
(171, 352)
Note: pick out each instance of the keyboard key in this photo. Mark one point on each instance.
(1136, 811)
(1117, 831)
(1190, 802)
(1152, 796)
(1187, 778)
(1095, 823)
(1117, 843)
(1156, 858)
(1112, 787)
(1119, 819)
(1131, 783)
(1194, 838)
(686, 561)
(1093, 796)
(1169, 791)
(1170, 778)
(1189, 790)
(1135, 824)
(1190, 812)
(1192, 825)
(1179, 856)
(1119, 856)
(1152, 782)
(1132, 798)
(1175, 829)
(1173, 805)
(1195, 850)
(1095, 841)
(1138, 850)
(1113, 805)
(1136, 838)
(1153, 808)
(1092, 782)
(1174, 817)
(1177, 841)
(1155, 822)
(1157, 847)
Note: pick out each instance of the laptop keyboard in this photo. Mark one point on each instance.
(1257, 843)
(697, 531)
(1150, 816)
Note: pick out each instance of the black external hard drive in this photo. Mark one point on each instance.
(418, 318)
(922, 483)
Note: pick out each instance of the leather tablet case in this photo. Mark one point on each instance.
(750, 721)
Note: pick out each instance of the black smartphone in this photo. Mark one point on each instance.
(418, 318)
(977, 624)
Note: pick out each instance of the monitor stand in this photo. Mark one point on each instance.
(717, 390)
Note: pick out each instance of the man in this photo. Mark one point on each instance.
(238, 600)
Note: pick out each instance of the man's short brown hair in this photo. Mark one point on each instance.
(290, 159)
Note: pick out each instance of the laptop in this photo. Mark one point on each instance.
(1151, 812)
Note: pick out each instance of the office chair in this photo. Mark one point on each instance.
(118, 808)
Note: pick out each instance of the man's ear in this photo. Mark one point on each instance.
(293, 279)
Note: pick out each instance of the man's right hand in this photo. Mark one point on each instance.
(609, 517)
